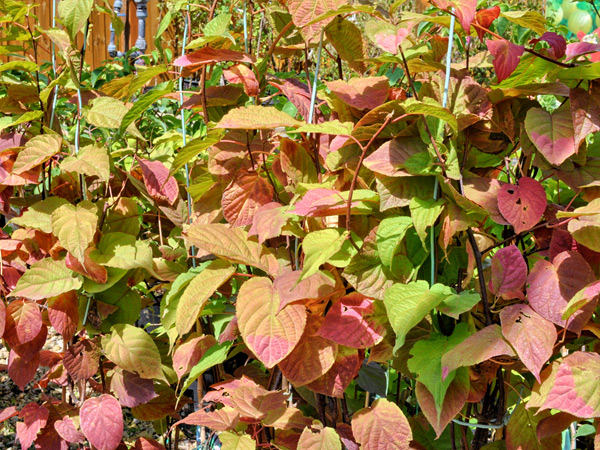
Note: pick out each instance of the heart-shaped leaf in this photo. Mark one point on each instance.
(102, 422)
(522, 205)
(552, 133)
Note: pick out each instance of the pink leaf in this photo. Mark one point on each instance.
(585, 111)
(345, 368)
(23, 322)
(506, 57)
(509, 271)
(361, 93)
(241, 74)
(557, 43)
(464, 9)
(390, 42)
(580, 48)
(189, 353)
(485, 18)
(531, 335)
(21, 371)
(132, 390)
(208, 55)
(30, 349)
(522, 205)
(34, 419)
(67, 430)
(246, 193)
(268, 221)
(102, 422)
(299, 95)
(350, 322)
(7, 413)
(144, 443)
(375, 428)
(316, 286)
(160, 186)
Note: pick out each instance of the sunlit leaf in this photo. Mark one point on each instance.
(382, 426)
(102, 422)
(46, 278)
(551, 133)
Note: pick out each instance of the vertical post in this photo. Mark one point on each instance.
(112, 47)
(141, 12)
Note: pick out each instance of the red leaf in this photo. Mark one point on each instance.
(160, 186)
(131, 389)
(89, 268)
(2, 317)
(299, 95)
(464, 10)
(350, 322)
(147, 444)
(23, 322)
(63, 313)
(558, 45)
(7, 413)
(241, 74)
(506, 57)
(585, 110)
(30, 349)
(10, 140)
(522, 205)
(485, 18)
(338, 378)
(81, 360)
(34, 419)
(361, 93)
(22, 372)
(67, 430)
(580, 48)
(323, 202)
(208, 55)
(552, 425)
(223, 419)
(509, 271)
(531, 335)
(316, 286)
(189, 353)
(102, 422)
(246, 193)
(552, 285)
(391, 156)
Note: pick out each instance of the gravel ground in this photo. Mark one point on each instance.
(11, 395)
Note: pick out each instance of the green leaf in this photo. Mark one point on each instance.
(389, 235)
(531, 20)
(456, 304)
(257, 118)
(334, 127)
(424, 213)
(429, 107)
(232, 441)
(75, 226)
(29, 116)
(349, 43)
(123, 251)
(132, 349)
(213, 356)
(521, 431)
(143, 103)
(46, 278)
(143, 75)
(28, 66)
(92, 160)
(39, 215)
(408, 304)
(193, 148)
(108, 112)
(74, 15)
(319, 246)
(38, 150)
(199, 291)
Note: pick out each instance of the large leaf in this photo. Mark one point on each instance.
(347, 40)
(188, 354)
(34, 418)
(304, 12)
(576, 386)
(39, 215)
(133, 349)
(408, 304)
(553, 284)
(74, 15)
(506, 57)
(531, 336)
(521, 431)
(132, 390)
(241, 74)
(312, 357)
(382, 426)
(361, 92)
(509, 271)
(92, 160)
(585, 226)
(389, 234)
(270, 335)
(199, 291)
(532, 20)
(319, 438)
(21, 371)
(123, 251)
(38, 150)
(108, 112)
(390, 157)
(255, 117)
(23, 322)
(464, 9)
(75, 226)
(424, 214)
(552, 133)
(479, 347)
(246, 193)
(522, 205)
(46, 278)
(102, 422)
(63, 314)
(234, 245)
(585, 111)
(317, 286)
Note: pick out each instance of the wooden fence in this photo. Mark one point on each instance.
(99, 31)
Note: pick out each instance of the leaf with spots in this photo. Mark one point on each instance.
(522, 205)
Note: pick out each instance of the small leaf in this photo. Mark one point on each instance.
(193, 148)
(132, 349)
(92, 160)
(465, 11)
(246, 193)
(132, 390)
(160, 185)
(521, 431)
(188, 354)
(531, 20)
(144, 443)
(233, 441)
(222, 419)
(349, 43)
(38, 150)
(552, 133)
(63, 314)
(217, 354)
(305, 12)
(256, 117)
(66, 430)
(46, 278)
(74, 15)
(39, 215)
(336, 380)
(383, 426)
(269, 334)
(361, 92)
(317, 286)
(20, 371)
(319, 246)
(23, 322)
(333, 127)
(424, 214)
(102, 422)
(485, 18)
(143, 103)
(522, 205)
(509, 270)
(241, 74)
(585, 111)
(199, 291)
(75, 226)
(208, 55)
(82, 359)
